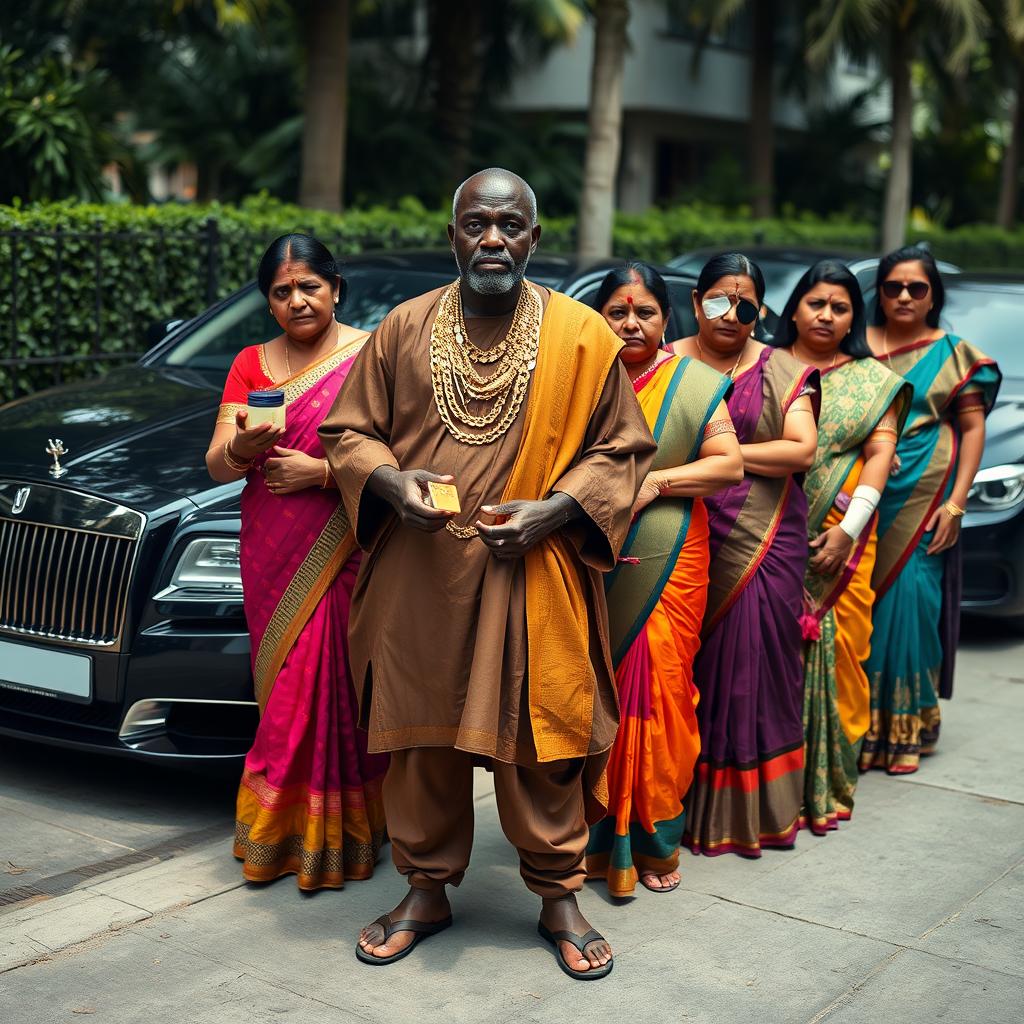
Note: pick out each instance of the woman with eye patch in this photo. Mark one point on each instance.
(863, 406)
(657, 592)
(749, 784)
(917, 569)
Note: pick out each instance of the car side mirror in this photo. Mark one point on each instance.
(159, 330)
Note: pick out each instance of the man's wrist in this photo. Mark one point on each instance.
(564, 508)
(382, 482)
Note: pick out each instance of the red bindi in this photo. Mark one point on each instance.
(629, 299)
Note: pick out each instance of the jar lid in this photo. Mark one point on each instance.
(266, 399)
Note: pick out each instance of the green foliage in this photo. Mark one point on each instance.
(122, 267)
(51, 143)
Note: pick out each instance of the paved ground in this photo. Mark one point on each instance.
(129, 908)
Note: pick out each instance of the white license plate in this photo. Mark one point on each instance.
(51, 673)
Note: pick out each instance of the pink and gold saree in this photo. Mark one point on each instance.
(309, 802)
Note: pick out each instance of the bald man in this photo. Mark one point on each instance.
(479, 627)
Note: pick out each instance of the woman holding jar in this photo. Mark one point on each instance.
(749, 783)
(309, 802)
(863, 407)
(917, 570)
(657, 592)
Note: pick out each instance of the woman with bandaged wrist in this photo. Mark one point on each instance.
(917, 572)
(863, 406)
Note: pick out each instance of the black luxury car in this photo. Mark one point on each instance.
(121, 623)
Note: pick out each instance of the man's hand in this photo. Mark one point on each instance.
(529, 522)
(407, 494)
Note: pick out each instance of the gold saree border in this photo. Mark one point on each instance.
(330, 551)
(755, 559)
(228, 410)
(823, 485)
(302, 381)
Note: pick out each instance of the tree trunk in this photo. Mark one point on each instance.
(1009, 181)
(455, 67)
(604, 131)
(325, 103)
(897, 187)
(762, 96)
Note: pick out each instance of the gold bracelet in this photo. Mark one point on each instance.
(953, 510)
(234, 463)
(327, 470)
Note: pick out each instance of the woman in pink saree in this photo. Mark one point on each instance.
(309, 802)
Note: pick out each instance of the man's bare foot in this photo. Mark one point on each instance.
(426, 905)
(655, 883)
(564, 915)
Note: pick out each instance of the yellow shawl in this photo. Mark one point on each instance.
(576, 352)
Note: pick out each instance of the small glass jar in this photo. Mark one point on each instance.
(266, 407)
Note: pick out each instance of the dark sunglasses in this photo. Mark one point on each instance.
(746, 311)
(894, 289)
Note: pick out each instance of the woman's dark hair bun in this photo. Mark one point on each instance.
(730, 264)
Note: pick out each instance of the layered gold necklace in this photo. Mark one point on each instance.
(457, 382)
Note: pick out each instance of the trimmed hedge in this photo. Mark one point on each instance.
(114, 269)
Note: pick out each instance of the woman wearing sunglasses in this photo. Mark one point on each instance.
(863, 406)
(749, 783)
(917, 570)
(656, 594)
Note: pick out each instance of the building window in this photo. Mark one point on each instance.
(686, 23)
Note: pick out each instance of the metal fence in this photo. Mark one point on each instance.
(77, 257)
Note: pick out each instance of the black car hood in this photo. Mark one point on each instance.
(137, 435)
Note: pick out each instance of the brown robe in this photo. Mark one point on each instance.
(438, 639)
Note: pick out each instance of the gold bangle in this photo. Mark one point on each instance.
(953, 510)
(234, 463)
(327, 470)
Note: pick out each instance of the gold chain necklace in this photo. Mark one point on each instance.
(735, 366)
(456, 381)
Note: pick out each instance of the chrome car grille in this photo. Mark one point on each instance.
(65, 564)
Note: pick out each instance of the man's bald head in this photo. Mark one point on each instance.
(497, 182)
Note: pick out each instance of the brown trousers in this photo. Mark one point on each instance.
(428, 801)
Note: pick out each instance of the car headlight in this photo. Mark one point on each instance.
(209, 564)
(997, 488)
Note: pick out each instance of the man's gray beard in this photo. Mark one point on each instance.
(493, 282)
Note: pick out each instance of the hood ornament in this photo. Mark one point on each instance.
(56, 449)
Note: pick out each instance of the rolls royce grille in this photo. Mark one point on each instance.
(66, 561)
(63, 583)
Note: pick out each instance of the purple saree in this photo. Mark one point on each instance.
(748, 789)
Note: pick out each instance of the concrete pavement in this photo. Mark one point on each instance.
(914, 911)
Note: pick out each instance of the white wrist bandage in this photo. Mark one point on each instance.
(863, 503)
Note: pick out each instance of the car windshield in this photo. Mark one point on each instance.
(373, 291)
(990, 318)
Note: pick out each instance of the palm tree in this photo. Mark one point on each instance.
(604, 135)
(715, 16)
(474, 48)
(857, 26)
(325, 25)
(1007, 40)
